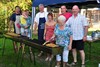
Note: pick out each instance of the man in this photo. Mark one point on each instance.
(15, 20)
(79, 27)
(39, 22)
(64, 13)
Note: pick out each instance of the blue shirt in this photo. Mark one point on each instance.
(62, 36)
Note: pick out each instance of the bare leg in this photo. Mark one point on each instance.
(58, 64)
(74, 52)
(82, 53)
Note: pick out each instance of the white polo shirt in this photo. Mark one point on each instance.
(40, 15)
(77, 26)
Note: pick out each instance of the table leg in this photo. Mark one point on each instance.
(90, 51)
(51, 62)
(32, 56)
(3, 46)
(61, 59)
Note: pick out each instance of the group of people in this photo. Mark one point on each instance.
(21, 20)
(69, 31)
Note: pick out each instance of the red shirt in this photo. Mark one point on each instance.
(67, 15)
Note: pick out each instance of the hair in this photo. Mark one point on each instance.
(61, 18)
(41, 5)
(19, 8)
(64, 6)
(50, 14)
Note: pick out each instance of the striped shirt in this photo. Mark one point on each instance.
(77, 25)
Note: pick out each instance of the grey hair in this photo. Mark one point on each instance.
(62, 18)
(41, 5)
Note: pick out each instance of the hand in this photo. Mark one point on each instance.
(69, 47)
(84, 38)
(35, 32)
(26, 27)
(9, 30)
(44, 37)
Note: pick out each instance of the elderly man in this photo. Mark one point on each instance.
(64, 13)
(40, 19)
(39, 22)
(79, 27)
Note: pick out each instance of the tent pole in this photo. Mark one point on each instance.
(33, 16)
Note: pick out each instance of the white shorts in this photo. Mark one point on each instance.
(65, 56)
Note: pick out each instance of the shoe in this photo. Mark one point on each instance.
(67, 65)
(40, 53)
(83, 65)
(57, 66)
(73, 64)
(51, 58)
(47, 59)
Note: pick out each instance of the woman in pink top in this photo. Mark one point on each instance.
(49, 31)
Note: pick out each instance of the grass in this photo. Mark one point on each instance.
(9, 59)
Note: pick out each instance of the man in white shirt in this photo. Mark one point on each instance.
(79, 27)
(39, 22)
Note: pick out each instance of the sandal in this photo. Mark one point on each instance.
(83, 65)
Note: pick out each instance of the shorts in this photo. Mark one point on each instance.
(78, 44)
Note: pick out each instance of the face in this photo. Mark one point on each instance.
(75, 10)
(50, 18)
(24, 13)
(27, 13)
(63, 9)
(41, 8)
(17, 10)
(60, 23)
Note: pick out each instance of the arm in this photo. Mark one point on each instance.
(35, 27)
(45, 31)
(70, 44)
(85, 33)
(85, 23)
(10, 25)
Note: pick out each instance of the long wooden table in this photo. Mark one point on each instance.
(33, 44)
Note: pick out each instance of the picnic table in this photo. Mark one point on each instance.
(33, 44)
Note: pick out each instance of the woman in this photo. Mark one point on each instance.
(49, 31)
(63, 36)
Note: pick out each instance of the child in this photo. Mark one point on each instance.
(24, 25)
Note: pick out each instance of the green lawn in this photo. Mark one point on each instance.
(9, 59)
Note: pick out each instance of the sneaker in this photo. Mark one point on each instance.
(47, 59)
(73, 63)
(51, 58)
(40, 53)
(57, 66)
(83, 65)
(67, 65)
